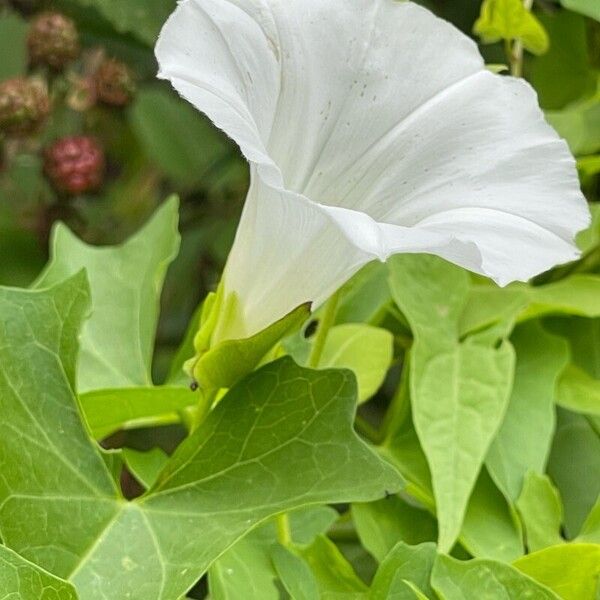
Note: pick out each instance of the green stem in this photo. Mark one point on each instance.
(516, 53)
(325, 324)
(284, 531)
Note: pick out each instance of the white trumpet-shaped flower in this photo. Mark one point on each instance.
(372, 128)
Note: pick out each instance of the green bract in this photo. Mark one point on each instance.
(510, 20)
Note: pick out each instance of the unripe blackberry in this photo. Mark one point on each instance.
(24, 106)
(75, 165)
(115, 83)
(52, 40)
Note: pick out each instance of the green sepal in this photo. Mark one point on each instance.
(227, 362)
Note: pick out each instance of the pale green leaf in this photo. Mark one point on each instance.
(365, 350)
(59, 505)
(117, 341)
(588, 239)
(570, 570)
(484, 580)
(589, 8)
(510, 20)
(404, 562)
(145, 466)
(590, 530)
(519, 445)
(540, 508)
(22, 580)
(109, 410)
(459, 390)
(487, 305)
(578, 391)
(432, 294)
(576, 295)
(474, 383)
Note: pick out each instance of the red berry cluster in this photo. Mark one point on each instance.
(75, 165)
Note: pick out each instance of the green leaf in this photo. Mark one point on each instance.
(295, 574)
(540, 508)
(525, 436)
(57, 489)
(576, 295)
(365, 298)
(574, 466)
(589, 8)
(246, 572)
(176, 137)
(145, 466)
(334, 575)
(510, 20)
(487, 305)
(109, 410)
(381, 525)
(22, 580)
(226, 363)
(141, 18)
(491, 528)
(564, 73)
(474, 383)
(578, 391)
(13, 46)
(588, 239)
(584, 339)
(570, 570)
(365, 350)
(404, 562)
(118, 340)
(484, 580)
(579, 124)
(590, 530)
(59, 505)
(459, 391)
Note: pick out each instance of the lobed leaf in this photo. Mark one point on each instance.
(117, 341)
(60, 508)
(572, 571)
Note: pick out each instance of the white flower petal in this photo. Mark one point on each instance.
(373, 128)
